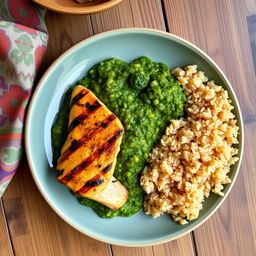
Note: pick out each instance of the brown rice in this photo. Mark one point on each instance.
(195, 154)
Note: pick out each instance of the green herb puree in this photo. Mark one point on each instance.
(145, 96)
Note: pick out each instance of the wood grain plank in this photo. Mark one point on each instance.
(64, 31)
(250, 6)
(35, 229)
(5, 243)
(220, 28)
(133, 13)
(129, 251)
(251, 22)
(179, 247)
(143, 13)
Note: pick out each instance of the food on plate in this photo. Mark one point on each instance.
(113, 196)
(88, 156)
(189, 161)
(145, 96)
(194, 156)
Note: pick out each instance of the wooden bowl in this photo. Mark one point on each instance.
(73, 7)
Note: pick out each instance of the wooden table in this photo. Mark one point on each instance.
(226, 30)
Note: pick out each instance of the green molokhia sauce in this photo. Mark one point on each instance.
(145, 96)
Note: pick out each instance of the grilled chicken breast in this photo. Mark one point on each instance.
(88, 156)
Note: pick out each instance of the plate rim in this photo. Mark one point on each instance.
(34, 96)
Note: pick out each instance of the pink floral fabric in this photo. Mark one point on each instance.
(23, 40)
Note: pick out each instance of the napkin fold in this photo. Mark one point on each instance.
(23, 41)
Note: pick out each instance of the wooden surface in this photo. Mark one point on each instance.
(226, 30)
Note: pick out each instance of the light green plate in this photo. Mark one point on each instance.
(125, 44)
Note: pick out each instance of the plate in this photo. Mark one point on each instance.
(125, 44)
(72, 7)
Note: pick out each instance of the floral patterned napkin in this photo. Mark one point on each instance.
(23, 40)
